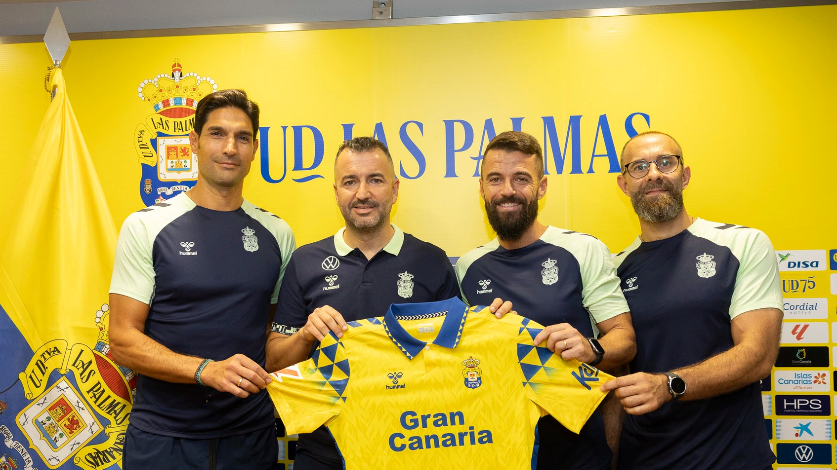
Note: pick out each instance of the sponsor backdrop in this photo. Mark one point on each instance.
(749, 94)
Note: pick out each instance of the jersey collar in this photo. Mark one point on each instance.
(448, 335)
(393, 247)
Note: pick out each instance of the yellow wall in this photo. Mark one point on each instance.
(750, 95)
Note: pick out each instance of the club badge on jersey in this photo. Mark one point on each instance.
(549, 272)
(405, 285)
(705, 266)
(251, 243)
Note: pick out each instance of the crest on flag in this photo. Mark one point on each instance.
(81, 417)
(162, 140)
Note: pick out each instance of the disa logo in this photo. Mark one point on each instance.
(801, 260)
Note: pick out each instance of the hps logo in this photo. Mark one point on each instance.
(803, 405)
(801, 260)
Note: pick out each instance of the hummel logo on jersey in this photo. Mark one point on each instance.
(251, 243)
(549, 272)
(485, 283)
(630, 282)
(394, 376)
(586, 374)
(188, 247)
(330, 280)
(331, 263)
(705, 266)
(405, 285)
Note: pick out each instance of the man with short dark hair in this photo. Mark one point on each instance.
(194, 286)
(559, 278)
(355, 274)
(706, 304)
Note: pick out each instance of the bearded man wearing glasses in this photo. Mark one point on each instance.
(707, 310)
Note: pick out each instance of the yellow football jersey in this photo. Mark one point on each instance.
(436, 385)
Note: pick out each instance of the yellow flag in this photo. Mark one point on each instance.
(63, 402)
(57, 235)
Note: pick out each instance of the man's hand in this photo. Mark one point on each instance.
(238, 375)
(565, 340)
(500, 308)
(322, 321)
(640, 393)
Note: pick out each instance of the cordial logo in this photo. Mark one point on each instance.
(331, 263)
(803, 405)
(805, 309)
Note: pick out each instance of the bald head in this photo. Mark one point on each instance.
(647, 142)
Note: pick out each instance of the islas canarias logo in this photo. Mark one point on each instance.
(162, 139)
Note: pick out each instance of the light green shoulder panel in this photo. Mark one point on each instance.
(757, 284)
(133, 267)
(283, 234)
(601, 294)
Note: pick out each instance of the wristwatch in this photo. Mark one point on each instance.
(597, 350)
(676, 385)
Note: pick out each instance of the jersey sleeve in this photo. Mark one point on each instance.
(133, 267)
(566, 390)
(757, 283)
(312, 393)
(291, 311)
(601, 294)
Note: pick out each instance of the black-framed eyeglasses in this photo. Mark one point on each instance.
(664, 163)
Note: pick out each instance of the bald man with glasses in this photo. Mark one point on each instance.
(707, 310)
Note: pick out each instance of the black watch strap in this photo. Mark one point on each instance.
(597, 349)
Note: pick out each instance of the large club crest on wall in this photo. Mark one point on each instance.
(162, 140)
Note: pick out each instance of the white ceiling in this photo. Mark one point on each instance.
(30, 17)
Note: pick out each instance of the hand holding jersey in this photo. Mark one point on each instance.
(565, 340)
(238, 375)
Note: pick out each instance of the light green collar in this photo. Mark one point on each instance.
(393, 247)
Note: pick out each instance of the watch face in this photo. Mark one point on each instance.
(678, 385)
(597, 348)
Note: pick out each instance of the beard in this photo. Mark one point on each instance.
(512, 225)
(371, 222)
(662, 207)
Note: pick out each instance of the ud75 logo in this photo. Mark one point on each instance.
(586, 374)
